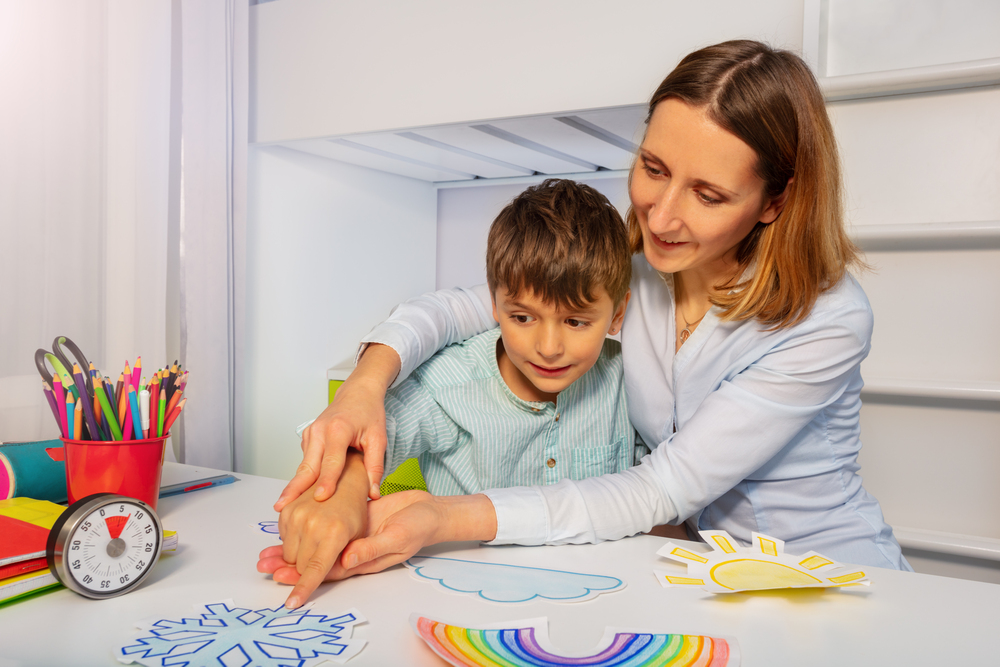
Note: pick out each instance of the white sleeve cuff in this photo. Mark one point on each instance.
(522, 517)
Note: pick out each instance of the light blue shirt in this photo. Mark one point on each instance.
(470, 432)
(751, 430)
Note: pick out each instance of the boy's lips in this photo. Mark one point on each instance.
(549, 372)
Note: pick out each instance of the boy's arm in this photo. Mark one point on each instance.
(314, 533)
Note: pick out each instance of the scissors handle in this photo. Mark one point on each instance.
(77, 354)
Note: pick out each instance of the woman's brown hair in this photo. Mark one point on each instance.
(770, 100)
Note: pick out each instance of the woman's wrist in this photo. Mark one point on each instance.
(377, 368)
(465, 518)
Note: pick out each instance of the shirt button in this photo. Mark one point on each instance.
(535, 410)
(551, 463)
(557, 417)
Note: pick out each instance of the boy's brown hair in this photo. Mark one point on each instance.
(560, 240)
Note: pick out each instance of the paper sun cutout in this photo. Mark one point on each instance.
(227, 635)
(498, 582)
(730, 567)
(526, 643)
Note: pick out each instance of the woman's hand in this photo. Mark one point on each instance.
(403, 523)
(356, 418)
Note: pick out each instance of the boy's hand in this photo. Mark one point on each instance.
(355, 419)
(314, 533)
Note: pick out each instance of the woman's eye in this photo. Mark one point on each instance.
(708, 200)
(652, 170)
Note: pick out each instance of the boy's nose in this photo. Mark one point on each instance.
(549, 343)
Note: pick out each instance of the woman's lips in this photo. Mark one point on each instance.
(667, 245)
(549, 372)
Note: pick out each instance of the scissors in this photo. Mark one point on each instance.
(62, 366)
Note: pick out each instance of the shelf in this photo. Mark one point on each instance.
(970, 546)
(962, 391)
(928, 236)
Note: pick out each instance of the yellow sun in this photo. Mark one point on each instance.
(730, 567)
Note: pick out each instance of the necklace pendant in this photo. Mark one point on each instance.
(684, 335)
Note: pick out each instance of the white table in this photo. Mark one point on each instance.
(902, 619)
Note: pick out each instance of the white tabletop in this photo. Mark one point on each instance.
(901, 619)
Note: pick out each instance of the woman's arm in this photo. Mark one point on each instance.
(415, 330)
(737, 430)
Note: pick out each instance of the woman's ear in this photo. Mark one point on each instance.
(619, 316)
(776, 205)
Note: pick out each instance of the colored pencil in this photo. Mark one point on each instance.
(137, 373)
(51, 398)
(161, 413)
(173, 416)
(78, 419)
(133, 402)
(154, 402)
(98, 413)
(70, 416)
(109, 409)
(105, 399)
(123, 410)
(88, 411)
(119, 388)
(172, 403)
(127, 430)
(60, 395)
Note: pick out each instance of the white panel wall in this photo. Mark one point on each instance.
(932, 462)
(333, 68)
(466, 213)
(330, 249)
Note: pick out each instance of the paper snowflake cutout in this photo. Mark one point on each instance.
(269, 527)
(229, 636)
(731, 567)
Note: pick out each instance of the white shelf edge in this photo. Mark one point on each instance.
(530, 180)
(927, 231)
(967, 390)
(984, 72)
(972, 546)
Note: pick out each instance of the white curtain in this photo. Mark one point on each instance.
(122, 189)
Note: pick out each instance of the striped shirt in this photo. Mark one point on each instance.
(470, 432)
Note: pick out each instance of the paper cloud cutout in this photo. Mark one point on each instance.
(499, 582)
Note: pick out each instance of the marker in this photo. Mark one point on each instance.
(196, 485)
(144, 412)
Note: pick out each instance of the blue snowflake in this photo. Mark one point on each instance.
(228, 636)
(270, 527)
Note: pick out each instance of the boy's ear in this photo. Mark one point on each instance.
(776, 205)
(619, 316)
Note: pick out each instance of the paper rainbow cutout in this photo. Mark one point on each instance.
(525, 643)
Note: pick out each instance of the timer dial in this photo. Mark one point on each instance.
(104, 545)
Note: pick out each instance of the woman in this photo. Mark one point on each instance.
(742, 345)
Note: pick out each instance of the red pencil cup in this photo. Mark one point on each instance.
(127, 467)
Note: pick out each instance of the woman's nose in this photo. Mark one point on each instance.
(664, 211)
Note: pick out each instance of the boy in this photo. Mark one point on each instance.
(539, 399)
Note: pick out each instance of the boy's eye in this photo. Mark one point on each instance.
(521, 319)
(577, 324)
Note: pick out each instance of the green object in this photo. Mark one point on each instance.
(404, 478)
(112, 420)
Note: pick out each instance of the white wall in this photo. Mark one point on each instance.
(330, 249)
(333, 68)
(466, 212)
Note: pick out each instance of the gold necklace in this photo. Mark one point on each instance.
(688, 327)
